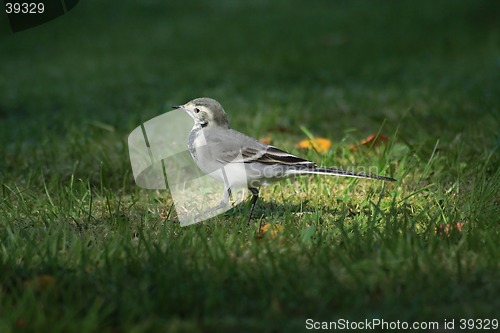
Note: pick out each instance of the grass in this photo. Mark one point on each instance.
(84, 249)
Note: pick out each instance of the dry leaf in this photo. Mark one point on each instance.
(41, 282)
(321, 145)
(20, 322)
(273, 233)
(280, 129)
(447, 229)
(371, 140)
(266, 140)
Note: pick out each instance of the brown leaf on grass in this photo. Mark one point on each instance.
(272, 230)
(280, 129)
(321, 145)
(372, 140)
(20, 322)
(266, 140)
(41, 282)
(448, 229)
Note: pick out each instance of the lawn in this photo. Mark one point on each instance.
(84, 249)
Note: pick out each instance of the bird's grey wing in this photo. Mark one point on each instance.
(229, 146)
(273, 155)
(234, 147)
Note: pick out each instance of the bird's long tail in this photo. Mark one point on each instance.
(335, 172)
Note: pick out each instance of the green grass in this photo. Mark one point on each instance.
(83, 249)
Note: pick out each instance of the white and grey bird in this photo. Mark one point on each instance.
(245, 161)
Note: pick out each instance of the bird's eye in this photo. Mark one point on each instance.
(197, 110)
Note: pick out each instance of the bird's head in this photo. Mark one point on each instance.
(206, 112)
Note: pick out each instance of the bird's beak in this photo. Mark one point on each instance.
(177, 106)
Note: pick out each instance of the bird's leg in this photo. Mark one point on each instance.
(222, 204)
(255, 196)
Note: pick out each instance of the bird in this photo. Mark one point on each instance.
(245, 161)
